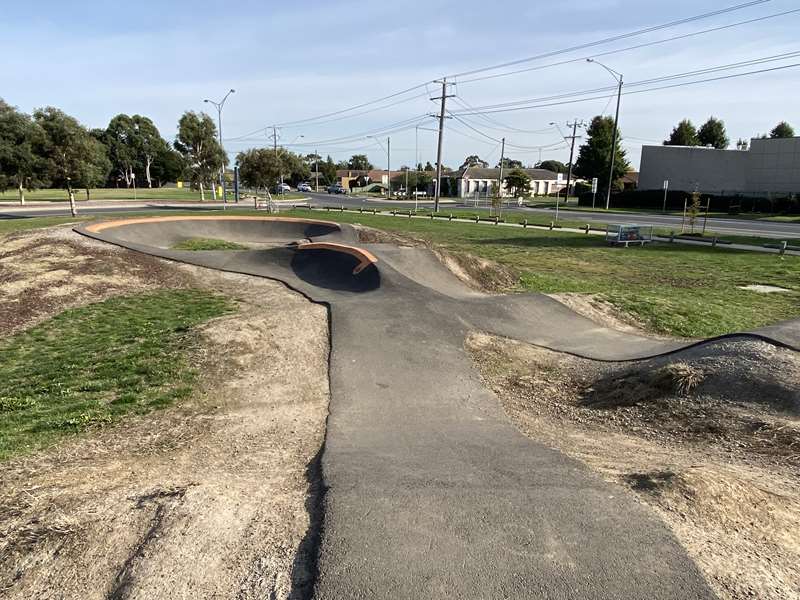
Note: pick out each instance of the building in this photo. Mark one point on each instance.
(356, 178)
(477, 181)
(769, 167)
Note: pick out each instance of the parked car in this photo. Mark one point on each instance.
(303, 187)
(336, 188)
(282, 188)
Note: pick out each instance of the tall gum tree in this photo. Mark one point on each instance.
(71, 155)
(197, 142)
(20, 166)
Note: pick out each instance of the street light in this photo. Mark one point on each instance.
(618, 78)
(388, 163)
(218, 106)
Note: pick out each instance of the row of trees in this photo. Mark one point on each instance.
(712, 133)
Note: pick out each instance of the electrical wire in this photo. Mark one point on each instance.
(611, 39)
(629, 48)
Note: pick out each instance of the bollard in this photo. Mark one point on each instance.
(671, 237)
(551, 225)
(477, 218)
(496, 220)
(587, 229)
(328, 208)
(361, 208)
(342, 208)
(374, 211)
(450, 218)
(714, 242)
(525, 223)
(432, 213)
(783, 247)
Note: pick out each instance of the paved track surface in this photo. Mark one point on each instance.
(431, 492)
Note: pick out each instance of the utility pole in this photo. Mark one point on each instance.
(316, 171)
(443, 98)
(274, 137)
(389, 167)
(575, 124)
(502, 160)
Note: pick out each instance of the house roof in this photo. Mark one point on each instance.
(534, 174)
(372, 174)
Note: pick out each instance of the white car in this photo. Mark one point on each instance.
(303, 187)
(282, 188)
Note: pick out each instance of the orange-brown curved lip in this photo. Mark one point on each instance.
(364, 257)
(97, 227)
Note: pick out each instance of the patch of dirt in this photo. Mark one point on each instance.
(214, 497)
(47, 271)
(709, 438)
(478, 273)
(596, 309)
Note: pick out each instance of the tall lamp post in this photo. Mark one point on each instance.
(218, 106)
(618, 78)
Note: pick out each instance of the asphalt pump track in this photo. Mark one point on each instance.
(429, 490)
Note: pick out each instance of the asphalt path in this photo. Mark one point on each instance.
(430, 491)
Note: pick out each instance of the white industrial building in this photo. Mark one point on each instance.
(769, 167)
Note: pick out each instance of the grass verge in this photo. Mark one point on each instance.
(207, 244)
(91, 366)
(689, 291)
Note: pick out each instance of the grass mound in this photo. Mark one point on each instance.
(196, 244)
(92, 365)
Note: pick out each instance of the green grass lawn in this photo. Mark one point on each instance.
(207, 244)
(674, 289)
(119, 194)
(91, 366)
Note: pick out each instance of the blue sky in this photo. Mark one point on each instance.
(289, 61)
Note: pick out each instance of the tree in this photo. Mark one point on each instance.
(417, 180)
(20, 167)
(259, 167)
(94, 170)
(294, 168)
(359, 162)
(555, 166)
(149, 146)
(197, 143)
(429, 166)
(782, 130)
(594, 155)
(119, 138)
(712, 133)
(510, 163)
(71, 155)
(519, 182)
(473, 160)
(328, 170)
(683, 134)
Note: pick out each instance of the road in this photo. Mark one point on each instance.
(738, 227)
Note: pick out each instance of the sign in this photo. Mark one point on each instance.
(594, 185)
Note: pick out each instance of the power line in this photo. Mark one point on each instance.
(609, 40)
(489, 108)
(628, 48)
(653, 89)
(343, 111)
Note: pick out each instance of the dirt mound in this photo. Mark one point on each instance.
(478, 273)
(210, 498)
(709, 438)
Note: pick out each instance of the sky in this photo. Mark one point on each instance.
(292, 61)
